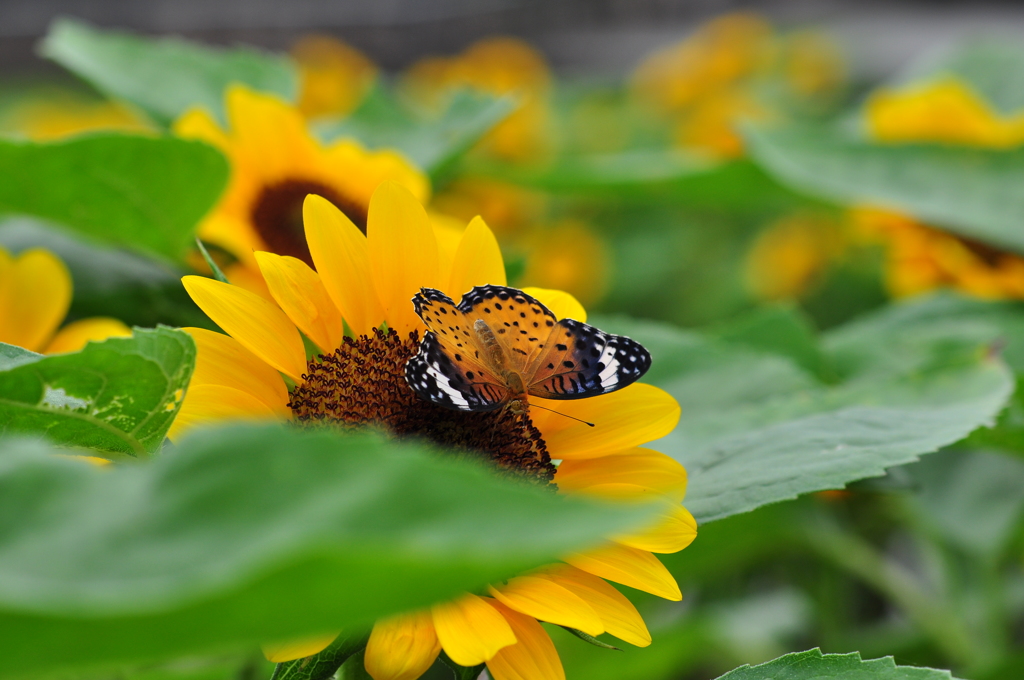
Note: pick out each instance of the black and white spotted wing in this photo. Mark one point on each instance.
(434, 376)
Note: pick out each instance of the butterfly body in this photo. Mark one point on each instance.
(499, 345)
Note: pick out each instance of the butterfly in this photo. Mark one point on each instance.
(499, 345)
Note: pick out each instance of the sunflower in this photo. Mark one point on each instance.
(365, 282)
(790, 256)
(275, 162)
(919, 257)
(335, 77)
(35, 293)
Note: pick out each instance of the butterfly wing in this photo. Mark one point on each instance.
(436, 377)
(520, 323)
(582, 361)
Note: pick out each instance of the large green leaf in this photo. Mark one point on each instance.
(144, 193)
(433, 143)
(813, 665)
(118, 396)
(976, 193)
(254, 533)
(758, 428)
(164, 76)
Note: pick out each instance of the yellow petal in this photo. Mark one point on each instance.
(302, 296)
(622, 420)
(652, 471)
(221, 360)
(630, 567)
(402, 647)
(403, 253)
(545, 600)
(562, 304)
(270, 131)
(342, 259)
(35, 293)
(259, 325)
(470, 630)
(674, 531)
(279, 652)
(448, 231)
(533, 657)
(75, 335)
(477, 261)
(196, 123)
(211, 404)
(619, 616)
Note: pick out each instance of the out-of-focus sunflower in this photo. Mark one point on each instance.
(275, 163)
(334, 76)
(49, 116)
(790, 255)
(568, 256)
(35, 293)
(920, 258)
(367, 281)
(496, 66)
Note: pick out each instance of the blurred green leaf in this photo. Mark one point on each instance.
(993, 67)
(757, 428)
(976, 193)
(433, 142)
(164, 76)
(12, 357)
(118, 396)
(143, 193)
(254, 533)
(813, 665)
(322, 665)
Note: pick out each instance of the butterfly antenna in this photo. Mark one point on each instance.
(562, 414)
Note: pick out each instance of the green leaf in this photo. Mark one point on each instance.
(118, 396)
(143, 193)
(164, 76)
(757, 428)
(813, 665)
(256, 533)
(433, 142)
(976, 193)
(12, 356)
(325, 664)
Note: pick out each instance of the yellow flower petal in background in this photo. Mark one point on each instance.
(218, 404)
(403, 253)
(562, 304)
(297, 649)
(342, 259)
(261, 125)
(618, 615)
(259, 325)
(402, 647)
(470, 630)
(632, 416)
(222, 360)
(533, 657)
(334, 76)
(651, 471)
(548, 601)
(198, 124)
(35, 293)
(302, 296)
(630, 567)
(75, 335)
(674, 531)
(477, 261)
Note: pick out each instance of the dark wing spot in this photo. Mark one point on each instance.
(568, 364)
(561, 348)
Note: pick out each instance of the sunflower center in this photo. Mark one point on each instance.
(277, 215)
(362, 383)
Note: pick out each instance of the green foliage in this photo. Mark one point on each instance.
(977, 193)
(248, 534)
(433, 142)
(118, 396)
(138, 192)
(164, 76)
(757, 427)
(992, 67)
(323, 665)
(813, 665)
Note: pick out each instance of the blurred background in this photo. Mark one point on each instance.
(623, 176)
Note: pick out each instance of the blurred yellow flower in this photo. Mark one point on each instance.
(789, 257)
(508, 209)
(569, 257)
(275, 163)
(54, 116)
(35, 294)
(710, 125)
(945, 110)
(496, 66)
(364, 281)
(812, 64)
(334, 76)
